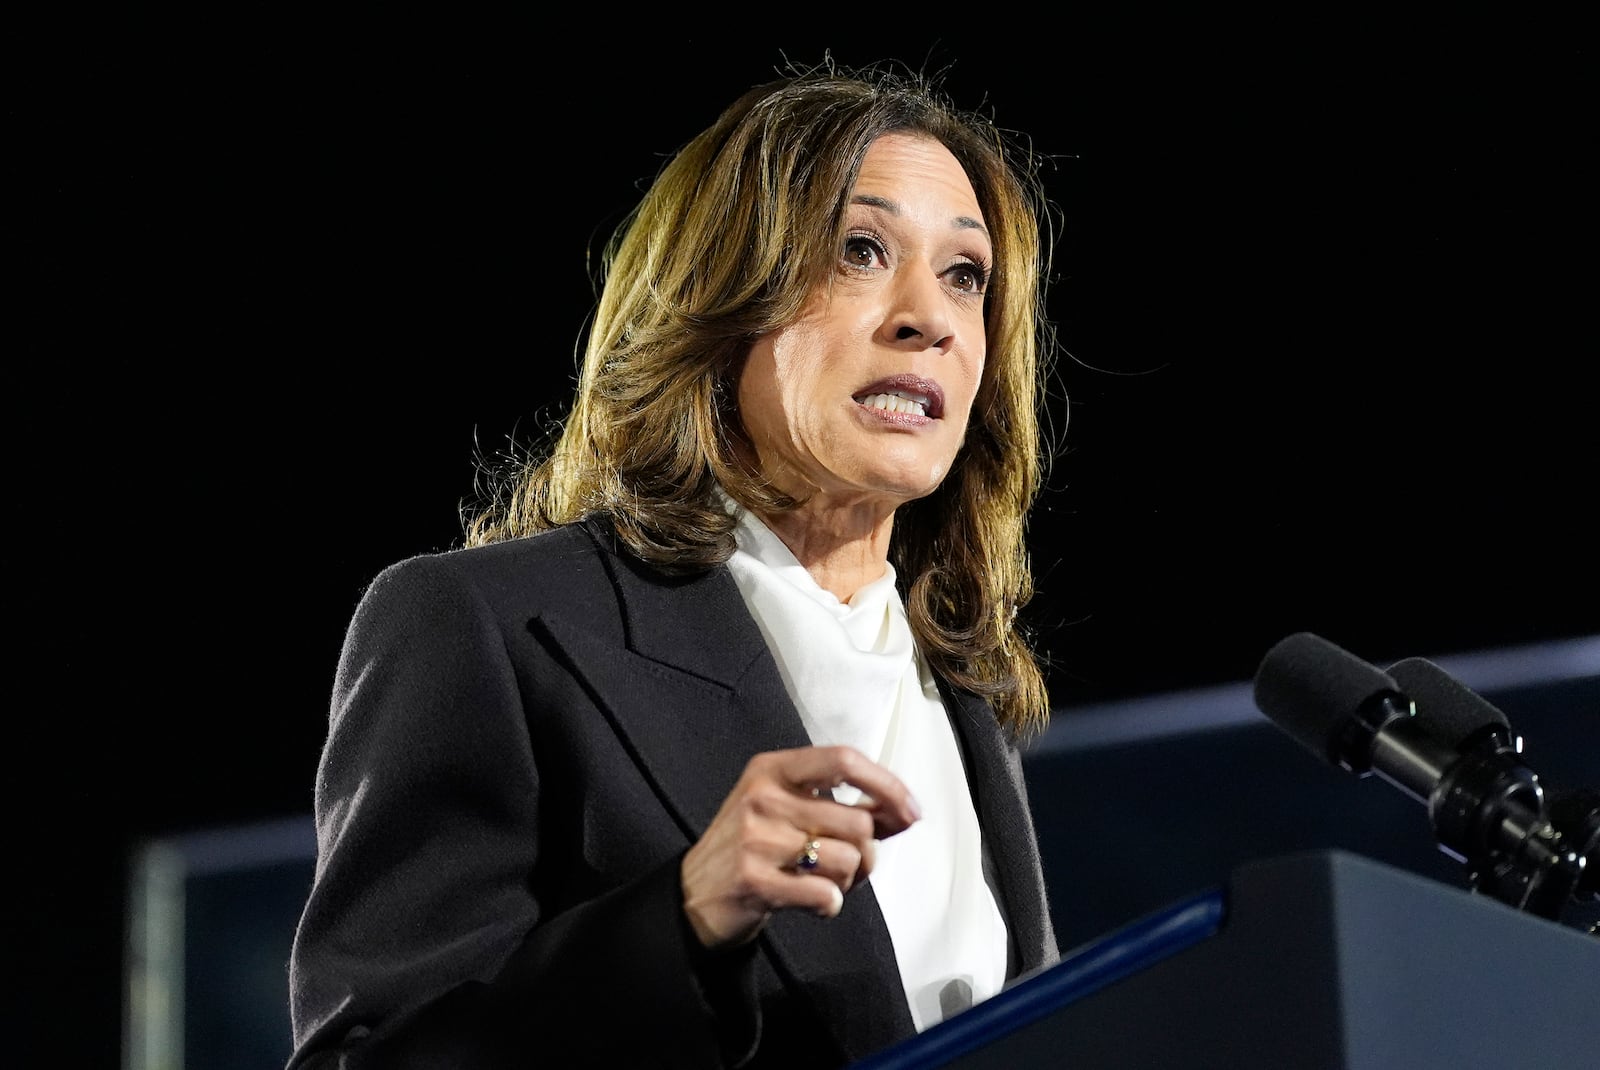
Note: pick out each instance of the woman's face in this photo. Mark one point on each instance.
(866, 395)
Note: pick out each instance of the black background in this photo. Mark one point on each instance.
(1325, 289)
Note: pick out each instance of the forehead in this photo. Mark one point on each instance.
(916, 171)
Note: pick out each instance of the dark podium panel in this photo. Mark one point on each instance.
(1320, 959)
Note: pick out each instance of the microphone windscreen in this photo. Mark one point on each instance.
(1451, 710)
(1313, 689)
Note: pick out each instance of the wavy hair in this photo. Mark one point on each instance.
(736, 231)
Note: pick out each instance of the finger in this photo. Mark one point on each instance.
(838, 860)
(867, 859)
(730, 889)
(885, 796)
(788, 888)
(835, 820)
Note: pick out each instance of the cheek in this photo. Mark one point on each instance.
(772, 382)
(972, 380)
(794, 366)
(757, 393)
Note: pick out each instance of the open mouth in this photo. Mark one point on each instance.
(908, 395)
(899, 401)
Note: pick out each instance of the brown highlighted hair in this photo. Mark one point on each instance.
(737, 230)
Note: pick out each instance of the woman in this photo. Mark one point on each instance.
(703, 751)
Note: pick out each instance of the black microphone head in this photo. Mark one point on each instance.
(1451, 710)
(1324, 696)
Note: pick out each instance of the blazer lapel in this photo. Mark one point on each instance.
(999, 794)
(696, 694)
(687, 691)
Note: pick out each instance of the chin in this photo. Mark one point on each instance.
(910, 484)
(882, 471)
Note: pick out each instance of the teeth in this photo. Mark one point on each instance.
(896, 402)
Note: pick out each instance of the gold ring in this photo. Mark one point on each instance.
(807, 859)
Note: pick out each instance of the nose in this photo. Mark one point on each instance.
(918, 315)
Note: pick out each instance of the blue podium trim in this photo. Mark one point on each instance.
(1085, 970)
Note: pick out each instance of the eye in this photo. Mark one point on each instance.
(862, 251)
(969, 277)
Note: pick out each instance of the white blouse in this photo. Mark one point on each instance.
(857, 678)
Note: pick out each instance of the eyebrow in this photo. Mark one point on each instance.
(961, 222)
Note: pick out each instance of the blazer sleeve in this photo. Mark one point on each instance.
(423, 941)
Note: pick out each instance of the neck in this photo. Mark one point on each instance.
(844, 546)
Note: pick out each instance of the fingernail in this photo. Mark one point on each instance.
(838, 903)
(916, 807)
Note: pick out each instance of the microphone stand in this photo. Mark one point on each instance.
(1576, 816)
(1488, 811)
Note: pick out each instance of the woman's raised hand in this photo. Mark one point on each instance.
(780, 842)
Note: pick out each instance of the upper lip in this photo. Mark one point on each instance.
(926, 389)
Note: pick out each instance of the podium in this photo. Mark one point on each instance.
(1313, 960)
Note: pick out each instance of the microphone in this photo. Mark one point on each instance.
(1453, 711)
(1486, 807)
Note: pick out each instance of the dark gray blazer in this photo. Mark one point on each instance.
(525, 738)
